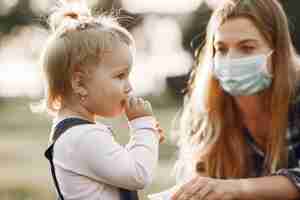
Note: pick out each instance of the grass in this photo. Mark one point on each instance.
(25, 172)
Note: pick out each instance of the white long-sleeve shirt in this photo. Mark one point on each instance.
(91, 165)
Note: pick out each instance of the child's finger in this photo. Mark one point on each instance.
(160, 130)
(161, 138)
(127, 103)
(140, 101)
(133, 102)
(148, 106)
(130, 102)
(161, 134)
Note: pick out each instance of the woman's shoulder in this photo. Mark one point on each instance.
(294, 106)
(295, 102)
(294, 116)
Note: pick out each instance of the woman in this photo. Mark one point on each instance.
(241, 121)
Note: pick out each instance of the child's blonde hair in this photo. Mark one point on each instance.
(78, 41)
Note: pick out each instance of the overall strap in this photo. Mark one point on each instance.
(59, 129)
(128, 194)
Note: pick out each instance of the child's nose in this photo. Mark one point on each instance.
(128, 87)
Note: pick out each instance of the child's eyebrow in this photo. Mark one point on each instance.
(123, 69)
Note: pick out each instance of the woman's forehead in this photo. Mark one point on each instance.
(237, 30)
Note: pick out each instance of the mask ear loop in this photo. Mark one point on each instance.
(268, 70)
(214, 71)
(219, 74)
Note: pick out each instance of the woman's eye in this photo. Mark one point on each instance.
(220, 50)
(248, 49)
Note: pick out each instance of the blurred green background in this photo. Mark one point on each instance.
(24, 172)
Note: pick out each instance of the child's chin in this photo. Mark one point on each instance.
(118, 113)
(112, 114)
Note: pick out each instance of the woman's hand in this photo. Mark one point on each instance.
(203, 188)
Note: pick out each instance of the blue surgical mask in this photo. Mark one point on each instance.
(243, 76)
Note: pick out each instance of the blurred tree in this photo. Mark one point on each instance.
(193, 39)
(19, 15)
(292, 9)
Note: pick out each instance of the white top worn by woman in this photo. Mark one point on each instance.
(91, 165)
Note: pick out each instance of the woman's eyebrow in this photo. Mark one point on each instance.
(218, 43)
(245, 41)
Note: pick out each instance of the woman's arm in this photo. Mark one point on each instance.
(263, 188)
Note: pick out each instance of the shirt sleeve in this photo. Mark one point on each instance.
(293, 137)
(129, 167)
(292, 174)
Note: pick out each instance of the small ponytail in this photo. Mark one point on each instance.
(72, 15)
(65, 14)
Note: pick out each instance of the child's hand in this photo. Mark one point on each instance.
(137, 107)
(160, 132)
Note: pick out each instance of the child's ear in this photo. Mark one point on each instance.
(78, 83)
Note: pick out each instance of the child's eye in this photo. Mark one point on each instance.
(121, 76)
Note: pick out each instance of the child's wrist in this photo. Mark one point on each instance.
(131, 118)
(144, 122)
(147, 123)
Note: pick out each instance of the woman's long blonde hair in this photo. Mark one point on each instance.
(78, 41)
(210, 118)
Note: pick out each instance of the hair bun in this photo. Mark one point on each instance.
(72, 15)
(65, 12)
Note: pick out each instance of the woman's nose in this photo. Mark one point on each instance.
(233, 53)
